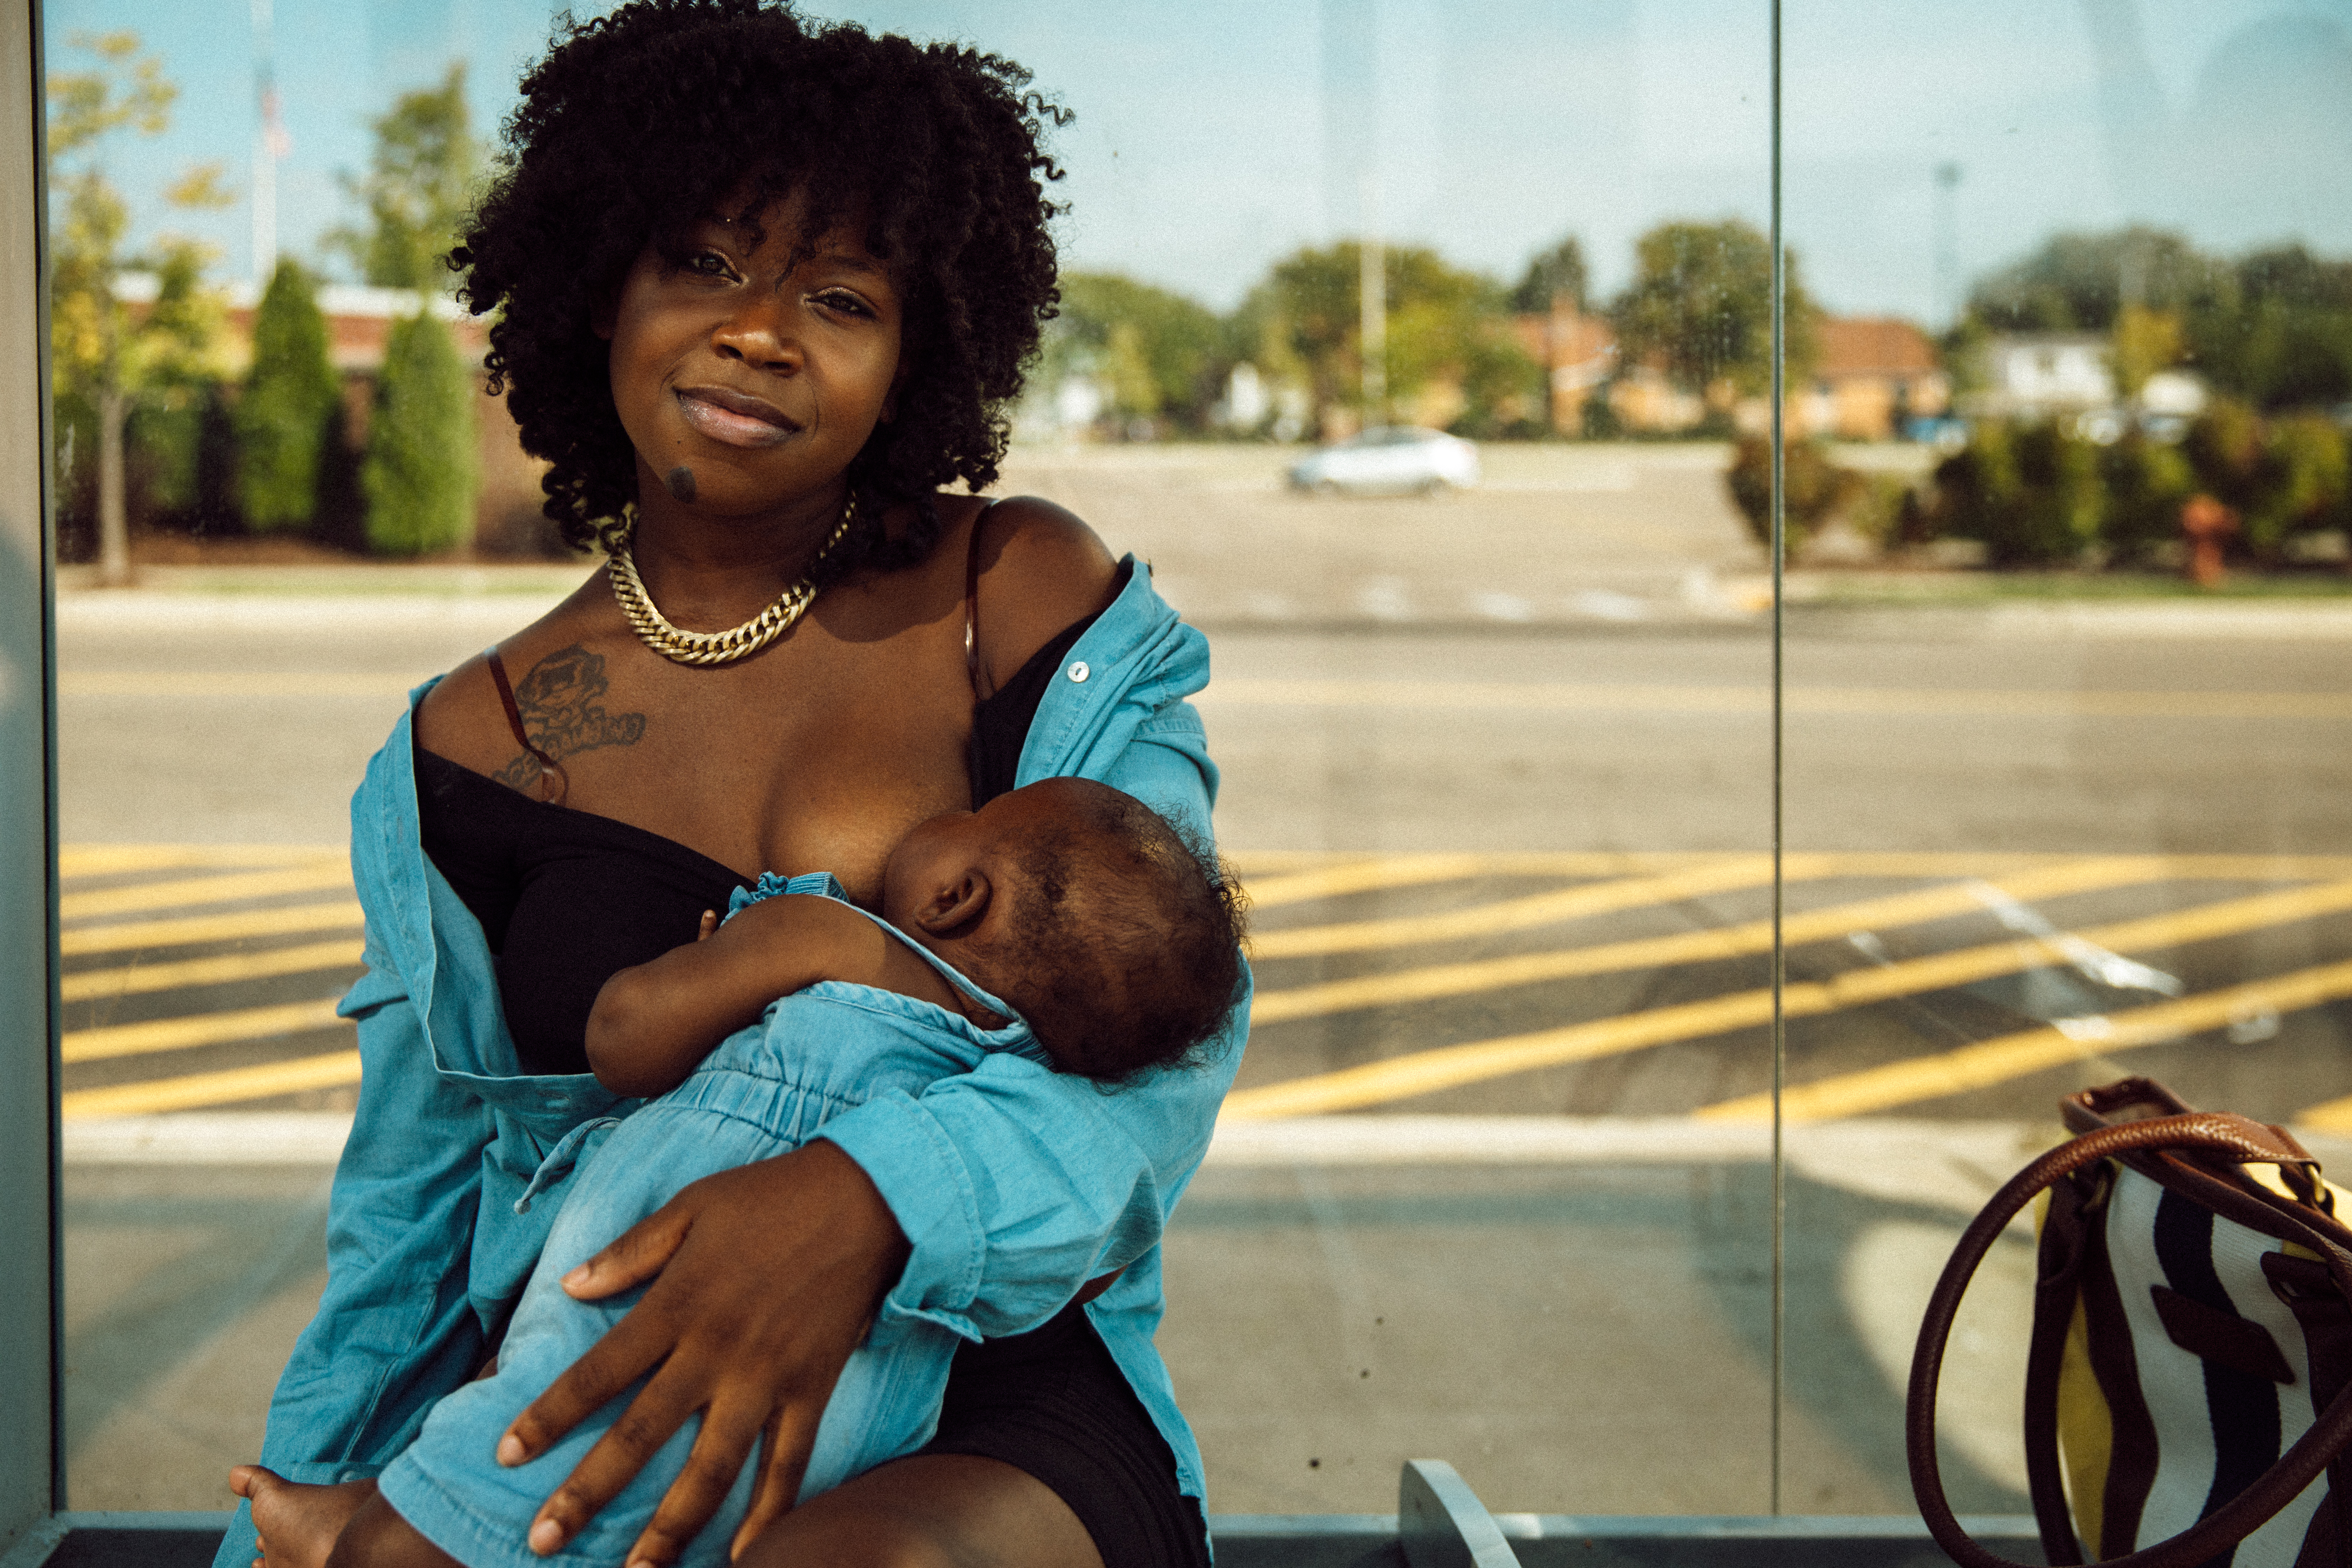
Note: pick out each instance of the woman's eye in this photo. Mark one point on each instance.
(709, 263)
(848, 304)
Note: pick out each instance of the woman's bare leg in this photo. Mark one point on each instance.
(934, 1510)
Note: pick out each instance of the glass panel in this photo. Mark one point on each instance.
(1492, 711)
(2065, 804)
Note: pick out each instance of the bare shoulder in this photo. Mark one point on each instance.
(1041, 570)
(463, 719)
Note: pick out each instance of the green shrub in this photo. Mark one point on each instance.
(2031, 493)
(2224, 445)
(2304, 484)
(2146, 482)
(421, 470)
(1813, 488)
(287, 413)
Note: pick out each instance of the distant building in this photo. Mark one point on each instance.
(2043, 375)
(1579, 354)
(1873, 375)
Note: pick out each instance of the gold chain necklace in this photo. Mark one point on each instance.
(681, 646)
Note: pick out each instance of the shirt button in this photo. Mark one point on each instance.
(1079, 671)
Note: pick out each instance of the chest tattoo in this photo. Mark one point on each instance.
(562, 714)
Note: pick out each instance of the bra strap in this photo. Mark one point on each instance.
(971, 601)
(549, 768)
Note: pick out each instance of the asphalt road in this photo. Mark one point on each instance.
(1508, 840)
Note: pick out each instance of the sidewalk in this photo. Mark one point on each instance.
(1574, 1312)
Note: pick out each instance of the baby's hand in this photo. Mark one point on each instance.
(709, 924)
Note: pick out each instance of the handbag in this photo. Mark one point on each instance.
(2189, 1381)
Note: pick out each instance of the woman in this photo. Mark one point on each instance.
(764, 289)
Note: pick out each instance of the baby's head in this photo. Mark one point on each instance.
(1080, 907)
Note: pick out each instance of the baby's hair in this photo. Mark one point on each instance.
(1125, 952)
(639, 125)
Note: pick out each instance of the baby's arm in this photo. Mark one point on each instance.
(654, 1022)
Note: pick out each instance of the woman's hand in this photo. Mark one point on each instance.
(768, 1276)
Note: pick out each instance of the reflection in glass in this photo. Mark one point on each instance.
(2064, 671)
(1496, 753)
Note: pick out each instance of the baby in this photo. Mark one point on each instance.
(1064, 922)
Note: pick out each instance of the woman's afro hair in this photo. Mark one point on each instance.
(640, 124)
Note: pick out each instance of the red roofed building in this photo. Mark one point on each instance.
(1872, 373)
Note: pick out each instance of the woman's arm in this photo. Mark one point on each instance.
(655, 1022)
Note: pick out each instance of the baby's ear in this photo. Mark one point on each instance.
(956, 905)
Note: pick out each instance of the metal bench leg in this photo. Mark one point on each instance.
(1440, 1522)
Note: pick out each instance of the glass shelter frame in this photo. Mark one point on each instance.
(1439, 1520)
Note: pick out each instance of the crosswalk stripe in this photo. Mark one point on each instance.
(224, 969)
(193, 890)
(1997, 1062)
(1514, 914)
(1451, 1066)
(289, 920)
(1746, 940)
(114, 1040)
(117, 859)
(333, 1070)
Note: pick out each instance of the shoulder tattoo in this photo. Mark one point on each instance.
(561, 714)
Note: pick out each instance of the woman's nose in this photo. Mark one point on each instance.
(759, 334)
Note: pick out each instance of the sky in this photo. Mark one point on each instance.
(1214, 137)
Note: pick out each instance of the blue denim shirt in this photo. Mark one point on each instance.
(1014, 1184)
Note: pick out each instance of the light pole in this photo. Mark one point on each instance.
(271, 143)
(1947, 243)
(1372, 304)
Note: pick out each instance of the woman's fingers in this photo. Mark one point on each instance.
(786, 1443)
(660, 1408)
(700, 1489)
(630, 1349)
(637, 1256)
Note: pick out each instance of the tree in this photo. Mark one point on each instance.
(288, 415)
(420, 472)
(2079, 282)
(104, 356)
(1555, 276)
(1157, 353)
(1445, 324)
(419, 188)
(1701, 303)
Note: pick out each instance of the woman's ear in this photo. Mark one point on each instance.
(956, 905)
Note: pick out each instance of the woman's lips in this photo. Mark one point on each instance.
(732, 418)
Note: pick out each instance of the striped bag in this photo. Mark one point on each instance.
(2192, 1350)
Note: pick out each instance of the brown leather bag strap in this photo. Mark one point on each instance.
(2232, 1137)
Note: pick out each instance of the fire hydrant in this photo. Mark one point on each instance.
(2208, 523)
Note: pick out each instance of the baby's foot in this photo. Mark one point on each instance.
(297, 1524)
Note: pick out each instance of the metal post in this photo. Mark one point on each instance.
(32, 1470)
(1780, 951)
(1372, 303)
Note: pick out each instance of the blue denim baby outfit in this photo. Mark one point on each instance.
(765, 1091)
(1014, 1184)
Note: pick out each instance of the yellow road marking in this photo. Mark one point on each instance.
(134, 935)
(221, 890)
(203, 1029)
(1995, 1061)
(224, 969)
(1365, 874)
(1514, 914)
(2329, 1116)
(331, 1071)
(1451, 1066)
(1440, 980)
(237, 683)
(111, 859)
(1815, 700)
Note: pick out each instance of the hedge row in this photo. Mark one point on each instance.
(2037, 495)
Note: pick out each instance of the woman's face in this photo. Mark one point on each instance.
(750, 371)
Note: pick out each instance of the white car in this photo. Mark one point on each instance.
(1391, 458)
